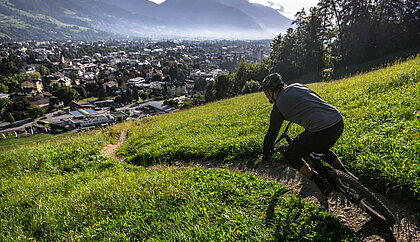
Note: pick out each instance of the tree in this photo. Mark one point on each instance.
(157, 77)
(4, 102)
(73, 76)
(171, 103)
(411, 21)
(3, 88)
(66, 94)
(241, 76)
(129, 95)
(200, 85)
(251, 86)
(102, 95)
(81, 91)
(44, 71)
(143, 96)
(135, 95)
(9, 118)
(210, 94)
(167, 79)
(35, 111)
(223, 86)
(91, 89)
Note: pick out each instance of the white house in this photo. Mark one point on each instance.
(136, 81)
(61, 81)
(87, 122)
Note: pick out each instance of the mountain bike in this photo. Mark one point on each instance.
(344, 183)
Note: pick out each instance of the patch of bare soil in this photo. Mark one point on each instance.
(110, 150)
(406, 228)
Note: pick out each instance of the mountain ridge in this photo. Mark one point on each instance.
(60, 19)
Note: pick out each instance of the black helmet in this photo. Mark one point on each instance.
(272, 81)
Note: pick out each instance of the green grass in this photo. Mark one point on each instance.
(77, 153)
(224, 130)
(67, 190)
(380, 143)
(175, 204)
(12, 143)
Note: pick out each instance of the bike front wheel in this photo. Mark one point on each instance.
(364, 198)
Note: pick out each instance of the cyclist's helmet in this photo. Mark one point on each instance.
(272, 81)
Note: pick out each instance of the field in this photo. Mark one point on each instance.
(12, 143)
(65, 189)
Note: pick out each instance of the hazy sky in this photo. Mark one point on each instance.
(286, 7)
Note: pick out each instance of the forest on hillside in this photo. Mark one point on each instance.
(340, 33)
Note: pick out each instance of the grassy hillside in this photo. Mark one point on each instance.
(68, 190)
(65, 189)
(380, 143)
(12, 143)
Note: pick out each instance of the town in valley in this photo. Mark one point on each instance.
(52, 86)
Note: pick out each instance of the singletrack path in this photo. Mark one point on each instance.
(110, 150)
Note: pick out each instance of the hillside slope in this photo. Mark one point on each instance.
(67, 190)
(380, 143)
(45, 20)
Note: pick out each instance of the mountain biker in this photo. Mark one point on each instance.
(323, 125)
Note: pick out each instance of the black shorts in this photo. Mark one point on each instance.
(319, 142)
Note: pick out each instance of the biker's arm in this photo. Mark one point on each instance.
(276, 120)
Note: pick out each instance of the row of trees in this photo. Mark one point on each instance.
(340, 33)
(244, 80)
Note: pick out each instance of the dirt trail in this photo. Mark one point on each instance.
(406, 229)
(110, 150)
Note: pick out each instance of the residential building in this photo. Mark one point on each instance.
(88, 122)
(60, 80)
(33, 84)
(176, 89)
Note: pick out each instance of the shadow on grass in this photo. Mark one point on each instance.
(296, 220)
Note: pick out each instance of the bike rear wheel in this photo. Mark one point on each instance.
(365, 199)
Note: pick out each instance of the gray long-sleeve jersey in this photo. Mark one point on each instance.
(299, 104)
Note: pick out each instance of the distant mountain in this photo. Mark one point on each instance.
(268, 18)
(45, 20)
(89, 19)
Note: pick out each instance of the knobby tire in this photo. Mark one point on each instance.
(367, 200)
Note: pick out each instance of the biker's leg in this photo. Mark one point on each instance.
(300, 147)
(331, 158)
(306, 171)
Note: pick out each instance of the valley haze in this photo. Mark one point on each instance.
(95, 19)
